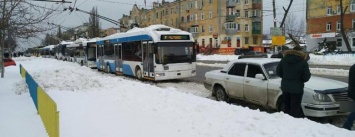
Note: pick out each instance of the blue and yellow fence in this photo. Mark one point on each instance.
(45, 105)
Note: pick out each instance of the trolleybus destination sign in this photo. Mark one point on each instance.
(174, 37)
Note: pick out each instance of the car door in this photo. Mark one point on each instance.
(255, 90)
(234, 80)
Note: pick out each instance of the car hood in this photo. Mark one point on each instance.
(319, 84)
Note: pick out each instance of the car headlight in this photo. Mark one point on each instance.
(322, 97)
(159, 74)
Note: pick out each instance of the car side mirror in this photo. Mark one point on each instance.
(260, 76)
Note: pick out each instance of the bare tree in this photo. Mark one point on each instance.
(295, 26)
(21, 19)
(94, 24)
(285, 14)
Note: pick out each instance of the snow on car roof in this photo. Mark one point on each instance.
(259, 61)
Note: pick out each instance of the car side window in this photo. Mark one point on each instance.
(238, 69)
(253, 70)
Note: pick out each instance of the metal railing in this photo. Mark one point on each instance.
(46, 107)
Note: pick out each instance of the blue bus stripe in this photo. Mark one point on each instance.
(127, 70)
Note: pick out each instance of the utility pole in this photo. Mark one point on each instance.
(342, 31)
(274, 11)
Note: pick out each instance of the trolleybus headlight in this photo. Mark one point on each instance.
(159, 74)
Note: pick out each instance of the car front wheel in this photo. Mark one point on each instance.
(221, 94)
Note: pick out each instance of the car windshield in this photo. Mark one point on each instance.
(270, 69)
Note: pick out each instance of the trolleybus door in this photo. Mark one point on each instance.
(101, 57)
(118, 54)
(148, 64)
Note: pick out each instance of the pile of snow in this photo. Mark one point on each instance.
(92, 104)
(338, 59)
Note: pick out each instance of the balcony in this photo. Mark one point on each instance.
(230, 18)
(255, 19)
(195, 34)
(256, 31)
(256, 28)
(230, 3)
(230, 31)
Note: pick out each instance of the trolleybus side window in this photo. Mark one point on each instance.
(109, 51)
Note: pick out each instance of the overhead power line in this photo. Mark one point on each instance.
(62, 1)
(71, 9)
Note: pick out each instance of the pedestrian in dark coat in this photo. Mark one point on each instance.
(351, 93)
(294, 71)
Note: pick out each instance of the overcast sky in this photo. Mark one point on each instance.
(115, 8)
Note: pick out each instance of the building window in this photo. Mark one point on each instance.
(353, 24)
(210, 1)
(182, 8)
(246, 1)
(338, 9)
(339, 42)
(246, 27)
(353, 42)
(255, 40)
(182, 19)
(237, 13)
(246, 14)
(352, 6)
(210, 14)
(231, 25)
(196, 16)
(194, 30)
(237, 1)
(202, 16)
(246, 40)
(329, 10)
(338, 25)
(202, 2)
(196, 5)
(238, 27)
(329, 26)
(202, 29)
(210, 28)
(191, 17)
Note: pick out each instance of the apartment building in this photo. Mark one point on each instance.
(223, 24)
(110, 31)
(323, 22)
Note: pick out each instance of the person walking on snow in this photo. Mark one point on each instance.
(294, 72)
(348, 124)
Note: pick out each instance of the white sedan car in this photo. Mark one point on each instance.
(255, 80)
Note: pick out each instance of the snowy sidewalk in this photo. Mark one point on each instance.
(18, 114)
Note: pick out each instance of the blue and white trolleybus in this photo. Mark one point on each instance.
(157, 52)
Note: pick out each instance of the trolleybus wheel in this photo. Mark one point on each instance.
(139, 74)
(107, 68)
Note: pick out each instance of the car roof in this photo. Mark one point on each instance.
(259, 61)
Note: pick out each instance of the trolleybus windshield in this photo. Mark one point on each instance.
(175, 52)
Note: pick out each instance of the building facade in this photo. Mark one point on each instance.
(323, 22)
(110, 31)
(224, 24)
